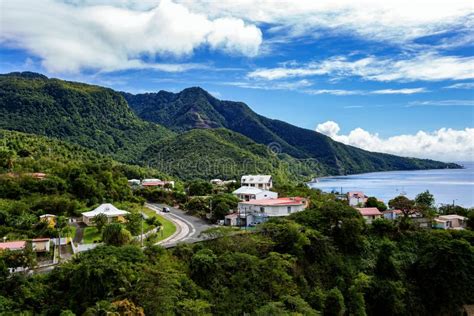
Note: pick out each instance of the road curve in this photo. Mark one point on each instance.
(188, 228)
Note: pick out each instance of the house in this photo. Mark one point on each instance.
(231, 219)
(356, 198)
(249, 193)
(392, 214)
(40, 244)
(13, 245)
(157, 183)
(48, 218)
(112, 213)
(263, 182)
(217, 181)
(369, 213)
(451, 221)
(258, 211)
(134, 182)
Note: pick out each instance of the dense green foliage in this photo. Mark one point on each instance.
(91, 116)
(324, 260)
(76, 180)
(195, 108)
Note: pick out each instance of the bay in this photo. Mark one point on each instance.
(447, 185)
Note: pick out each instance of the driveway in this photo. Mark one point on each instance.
(188, 228)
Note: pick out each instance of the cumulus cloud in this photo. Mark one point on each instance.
(69, 37)
(397, 21)
(445, 144)
(426, 66)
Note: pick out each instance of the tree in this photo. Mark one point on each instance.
(100, 220)
(115, 235)
(334, 304)
(134, 223)
(199, 188)
(404, 204)
(425, 204)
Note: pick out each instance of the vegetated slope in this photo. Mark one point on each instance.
(195, 108)
(221, 153)
(92, 116)
(21, 152)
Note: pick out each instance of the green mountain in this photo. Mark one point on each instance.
(195, 108)
(222, 153)
(92, 116)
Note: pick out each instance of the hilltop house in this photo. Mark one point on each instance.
(356, 198)
(112, 213)
(249, 193)
(263, 182)
(451, 221)
(369, 213)
(258, 211)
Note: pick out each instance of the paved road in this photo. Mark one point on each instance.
(188, 228)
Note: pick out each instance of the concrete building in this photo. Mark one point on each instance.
(369, 213)
(40, 244)
(157, 183)
(451, 221)
(263, 182)
(356, 198)
(249, 193)
(258, 211)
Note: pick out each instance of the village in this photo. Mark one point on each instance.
(258, 202)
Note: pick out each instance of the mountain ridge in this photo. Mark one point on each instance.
(182, 107)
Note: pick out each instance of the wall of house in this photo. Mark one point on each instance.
(277, 210)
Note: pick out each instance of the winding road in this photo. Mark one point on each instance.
(188, 228)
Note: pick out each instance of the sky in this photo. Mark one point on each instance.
(388, 76)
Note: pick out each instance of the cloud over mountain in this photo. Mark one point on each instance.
(72, 37)
(445, 144)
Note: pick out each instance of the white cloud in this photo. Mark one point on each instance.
(462, 85)
(397, 21)
(72, 37)
(281, 85)
(445, 144)
(343, 92)
(442, 103)
(426, 66)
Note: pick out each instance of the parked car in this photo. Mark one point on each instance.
(166, 209)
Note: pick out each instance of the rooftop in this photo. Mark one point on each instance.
(13, 245)
(256, 179)
(107, 209)
(368, 211)
(276, 202)
(452, 216)
(249, 190)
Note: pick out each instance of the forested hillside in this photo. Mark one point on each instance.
(196, 108)
(221, 153)
(92, 116)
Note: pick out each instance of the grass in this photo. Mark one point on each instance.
(167, 227)
(91, 234)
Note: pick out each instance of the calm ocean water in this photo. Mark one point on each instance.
(447, 185)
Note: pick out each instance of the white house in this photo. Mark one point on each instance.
(356, 198)
(257, 211)
(369, 213)
(249, 193)
(108, 209)
(263, 182)
(451, 221)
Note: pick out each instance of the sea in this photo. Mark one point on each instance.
(447, 185)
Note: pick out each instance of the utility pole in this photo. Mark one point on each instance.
(141, 224)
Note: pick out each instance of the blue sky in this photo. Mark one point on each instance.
(392, 76)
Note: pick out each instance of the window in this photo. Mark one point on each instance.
(262, 209)
(289, 209)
